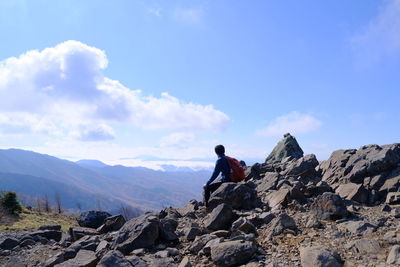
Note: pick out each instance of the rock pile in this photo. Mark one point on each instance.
(291, 211)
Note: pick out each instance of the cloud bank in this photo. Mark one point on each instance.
(294, 123)
(62, 91)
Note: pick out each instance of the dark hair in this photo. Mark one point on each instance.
(220, 149)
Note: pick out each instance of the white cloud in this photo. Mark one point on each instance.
(189, 15)
(294, 123)
(381, 38)
(63, 88)
(179, 139)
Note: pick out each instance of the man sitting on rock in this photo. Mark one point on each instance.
(221, 166)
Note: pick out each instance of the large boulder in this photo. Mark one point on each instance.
(92, 218)
(140, 232)
(303, 167)
(84, 258)
(8, 243)
(329, 206)
(287, 147)
(355, 192)
(238, 196)
(319, 257)
(114, 258)
(394, 255)
(113, 223)
(220, 218)
(233, 253)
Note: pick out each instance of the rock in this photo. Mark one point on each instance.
(200, 242)
(232, 252)
(189, 209)
(355, 192)
(237, 195)
(112, 223)
(170, 213)
(8, 243)
(56, 259)
(84, 258)
(281, 223)
(365, 246)
(303, 167)
(102, 248)
(261, 219)
(357, 227)
(140, 232)
(244, 225)
(319, 257)
(393, 198)
(92, 219)
(329, 206)
(50, 227)
(395, 212)
(213, 242)
(269, 182)
(27, 242)
(276, 198)
(48, 234)
(288, 147)
(185, 262)
(313, 222)
(114, 258)
(393, 237)
(394, 255)
(192, 232)
(391, 182)
(318, 189)
(334, 168)
(167, 229)
(220, 218)
(78, 232)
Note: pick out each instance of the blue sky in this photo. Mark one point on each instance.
(150, 82)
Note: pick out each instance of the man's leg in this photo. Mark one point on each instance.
(209, 189)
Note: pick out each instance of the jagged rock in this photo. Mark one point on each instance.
(48, 234)
(281, 223)
(287, 147)
(113, 223)
(192, 232)
(313, 222)
(8, 243)
(220, 218)
(244, 225)
(357, 227)
(140, 232)
(78, 232)
(84, 258)
(393, 198)
(318, 189)
(260, 219)
(200, 242)
(167, 229)
(319, 257)
(329, 206)
(92, 218)
(303, 167)
(334, 168)
(50, 227)
(56, 259)
(185, 262)
(136, 261)
(254, 172)
(395, 212)
(189, 209)
(269, 182)
(393, 237)
(277, 198)
(114, 258)
(394, 255)
(101, 248)
(170, 213)
(211, 243)
(27, 242)
(232, 253)
(238, 196)
(355, 192)
(365, 246)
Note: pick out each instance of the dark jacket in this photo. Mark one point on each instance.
(222, 165)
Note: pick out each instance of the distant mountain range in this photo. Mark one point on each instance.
(91, 183)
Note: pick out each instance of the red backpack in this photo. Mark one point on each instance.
(237, 171)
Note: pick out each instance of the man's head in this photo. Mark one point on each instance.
(220, 150)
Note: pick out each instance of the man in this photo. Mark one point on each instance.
(221, 166)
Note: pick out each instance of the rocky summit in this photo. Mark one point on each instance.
(291, 210)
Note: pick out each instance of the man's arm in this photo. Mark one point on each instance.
(216, 172)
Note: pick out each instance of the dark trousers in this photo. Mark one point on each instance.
(209, 189)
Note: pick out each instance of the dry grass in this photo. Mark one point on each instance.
(33, 220)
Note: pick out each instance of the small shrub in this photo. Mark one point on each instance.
(9, 201)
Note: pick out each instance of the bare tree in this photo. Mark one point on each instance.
(57, 198)
(46, 203)
(79, 206)
(39, 204)
(98, 204)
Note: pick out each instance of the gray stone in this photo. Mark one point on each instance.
(78, 232)
(189, 209)
(211, 243)
(355, 192)
(237, 195)
(114, 258)
(395, 212)
(281, 223)
(192, 232)
(8, 243)
(394, 255)
(220, 218)
(268, 182)
(319, 257)
(199, 243)
(232, 252)
(84, 258)
(112, 223)
(48, 234)
(167, 229)
(357, 227)
(92, 218)
(365, 246)
(244, 225)
(329, 206)
(393, 198)
(185, 262)
(140, 232)
(288, 147)
(276, 198)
